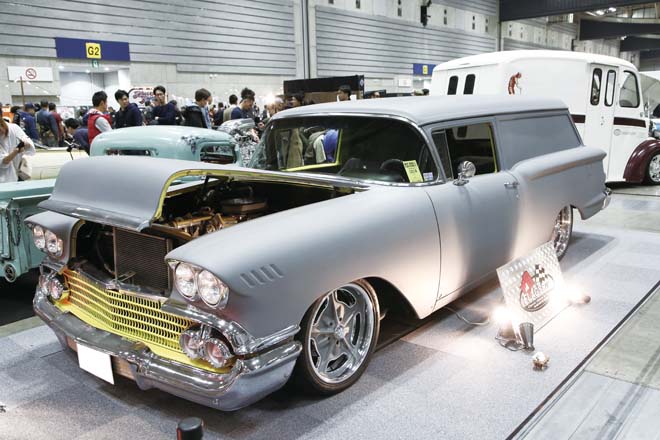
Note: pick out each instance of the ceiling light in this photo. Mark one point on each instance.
(600, 12)
(61, 67)
(106, 69)
(87, 71)
(612, 9)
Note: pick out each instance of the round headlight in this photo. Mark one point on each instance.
(38, 237)
(191, 343)
(53, 244)
(184, 276)
(216, 352)
(212, 290)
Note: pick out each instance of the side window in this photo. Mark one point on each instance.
(609, 88)
(595, 86)
(469, 84)
(473, 143)
(453, 85)
(629, 94)
(528, 137)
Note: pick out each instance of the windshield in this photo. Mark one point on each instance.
(360, 147)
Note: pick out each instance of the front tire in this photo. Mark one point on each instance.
(339, 334)
(653, 170)
(562, 231)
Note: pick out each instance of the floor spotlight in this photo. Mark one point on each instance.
(526, 330)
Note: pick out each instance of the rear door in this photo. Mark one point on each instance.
(599, 117)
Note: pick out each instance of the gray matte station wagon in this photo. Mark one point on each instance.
(218, 283)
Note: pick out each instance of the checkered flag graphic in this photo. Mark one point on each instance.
(540, 277)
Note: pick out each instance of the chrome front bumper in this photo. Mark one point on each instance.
(250, 379)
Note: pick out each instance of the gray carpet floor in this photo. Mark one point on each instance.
(445, 380)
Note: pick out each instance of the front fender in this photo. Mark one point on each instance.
(635, 171)
(278, 265)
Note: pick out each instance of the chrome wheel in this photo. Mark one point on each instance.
(561, 233)
(341, 334)
(654, 169)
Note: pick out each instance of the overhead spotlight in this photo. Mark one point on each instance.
(600, 12)
(611, 9)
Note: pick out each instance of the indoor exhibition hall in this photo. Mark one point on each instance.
(325, 219)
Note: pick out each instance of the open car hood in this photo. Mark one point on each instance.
(128, 192)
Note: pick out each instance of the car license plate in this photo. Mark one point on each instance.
(95, 362)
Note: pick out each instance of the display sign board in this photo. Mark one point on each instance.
(32, 74)
(92, 49)
(533, 286)
(140, 95)
(423, 69)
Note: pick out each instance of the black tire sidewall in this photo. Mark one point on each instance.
(304, 375)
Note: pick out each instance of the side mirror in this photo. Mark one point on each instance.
(466, 170)
(656, 134)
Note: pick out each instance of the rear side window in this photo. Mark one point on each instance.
(469, 84)
(595, 86)
(609, 88)
(453, 85)
(629, 95)
(524, 138)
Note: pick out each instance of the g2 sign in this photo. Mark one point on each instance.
(93, 50)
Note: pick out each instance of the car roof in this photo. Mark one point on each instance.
(517, 55)
(429, 109)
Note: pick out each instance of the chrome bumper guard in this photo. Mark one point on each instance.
(249, 380)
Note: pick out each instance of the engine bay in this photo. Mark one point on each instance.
(190, 210)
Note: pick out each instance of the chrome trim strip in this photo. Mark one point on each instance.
(242, 342)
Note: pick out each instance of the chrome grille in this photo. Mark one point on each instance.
(140, 259)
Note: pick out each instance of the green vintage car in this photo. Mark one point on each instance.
(19, 200)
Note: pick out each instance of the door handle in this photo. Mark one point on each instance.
(511, 185)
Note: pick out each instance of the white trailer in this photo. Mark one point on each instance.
(603, 94)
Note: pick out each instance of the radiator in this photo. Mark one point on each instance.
(139, 259)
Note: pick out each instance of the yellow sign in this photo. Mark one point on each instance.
(425, 69)
(412, 170)
(93, 50)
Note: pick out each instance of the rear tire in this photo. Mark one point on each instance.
(339, 333)
(562, 231)
(653, 170)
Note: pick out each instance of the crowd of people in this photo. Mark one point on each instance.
(42, 123)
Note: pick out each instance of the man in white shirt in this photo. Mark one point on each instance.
(14, 143)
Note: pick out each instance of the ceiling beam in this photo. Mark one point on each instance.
(595, 29)
(522, 9)
(636, 43)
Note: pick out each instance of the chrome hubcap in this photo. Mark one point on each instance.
(654, 169)
(341, 333)
(561, 233)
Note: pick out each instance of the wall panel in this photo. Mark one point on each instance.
(353, 43)
(220, 36)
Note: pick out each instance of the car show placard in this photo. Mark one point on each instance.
(532, 286)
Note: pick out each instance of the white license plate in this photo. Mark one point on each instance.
(96, 362)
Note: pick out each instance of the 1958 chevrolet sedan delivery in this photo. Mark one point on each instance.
(220, 289)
